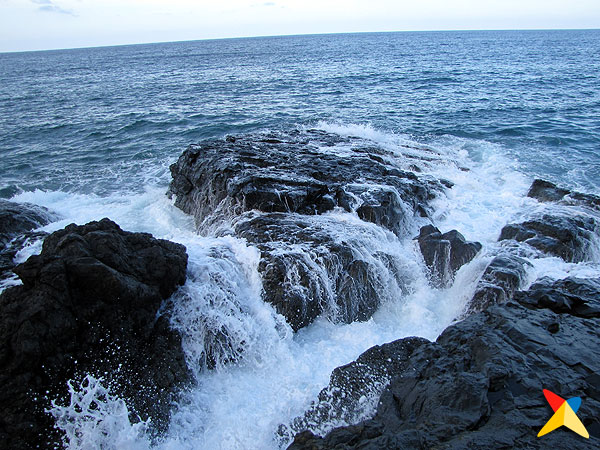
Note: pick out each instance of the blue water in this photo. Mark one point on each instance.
(90, 133)
(101, 119)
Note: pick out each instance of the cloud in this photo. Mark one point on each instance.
(50, 6)
(259, 5)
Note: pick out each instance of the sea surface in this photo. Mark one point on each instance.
(90, 133)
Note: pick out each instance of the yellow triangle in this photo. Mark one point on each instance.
(557, 420)
(572, 422)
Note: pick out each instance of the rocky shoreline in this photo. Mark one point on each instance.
(479, 385)
(89, 305)
(93, 301)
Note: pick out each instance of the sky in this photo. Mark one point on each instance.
(52, 24)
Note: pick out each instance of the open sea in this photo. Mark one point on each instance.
(90, 133)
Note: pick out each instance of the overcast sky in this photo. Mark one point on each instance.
(47, 24)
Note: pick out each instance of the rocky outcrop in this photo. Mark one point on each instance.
(569, 237)
(17, 220)
(299, 172)
(445, 253)
(307, 269)
(575, 296)
(480, 384)
(503, 276)
(89, 303)
(567, 232)
(544, 191)
(273, 191)
(355, 387)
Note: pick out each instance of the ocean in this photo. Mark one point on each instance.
(90, 133)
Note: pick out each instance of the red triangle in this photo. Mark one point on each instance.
(554, 400)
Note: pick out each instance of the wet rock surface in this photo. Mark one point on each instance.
(89, 303)
(292, 173)
(568, 237)
(503, 276)
(308, 269)
(570, 229)
(300, 172)
(353, 387)
(545, 191)
(480, 384)
(294, 179)
(575, 296)
(445, 253)
(17, 220)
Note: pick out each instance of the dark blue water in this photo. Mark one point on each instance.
(108, 119)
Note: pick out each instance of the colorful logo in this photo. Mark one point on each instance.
(564, 414)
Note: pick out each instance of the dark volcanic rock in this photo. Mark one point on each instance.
(292, 173)
(575, 296)
(503, 276)
(445, 253)
(292, 179)
(89, 304)
(17, 218)
(480, 384)
(307, 269)
(569, 237)
(16, 222)
(544, 191)
(355, 386)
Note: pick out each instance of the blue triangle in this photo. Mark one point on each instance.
(574, 403)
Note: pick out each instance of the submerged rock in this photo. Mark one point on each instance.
(89, 303)
(480, 384)
(445, 253)
(17, 220)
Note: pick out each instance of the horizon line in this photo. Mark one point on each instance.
(290, 35)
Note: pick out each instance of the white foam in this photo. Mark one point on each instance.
(96, 419)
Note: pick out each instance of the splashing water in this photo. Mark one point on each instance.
(252, 373)
(96, 419)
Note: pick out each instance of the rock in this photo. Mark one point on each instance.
(503, 276)
(356, 386)
(307, 269)
(298, 172)
(575, 296)
(480, 384)
(544, 191)
(569, 237)
(16, 222)
(89, 303)
(445, 253)
(274, 190)
(17, 218)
